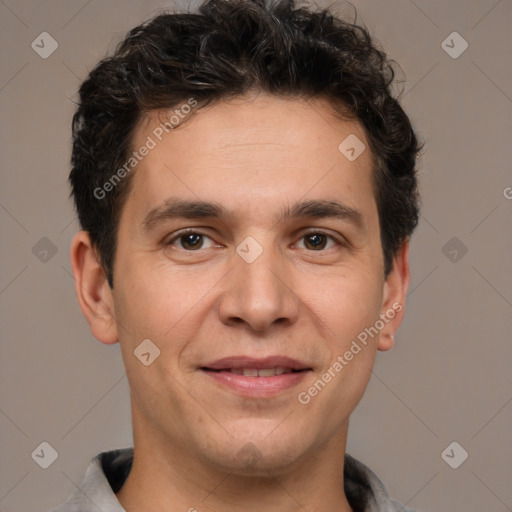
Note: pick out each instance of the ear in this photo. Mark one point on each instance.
(92, 289)
(395, 290)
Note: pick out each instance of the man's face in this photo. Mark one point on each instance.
(270, 278)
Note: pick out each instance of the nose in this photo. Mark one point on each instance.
(259, 295)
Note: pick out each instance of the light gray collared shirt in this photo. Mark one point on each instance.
(107, 472)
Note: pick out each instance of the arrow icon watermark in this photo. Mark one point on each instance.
(146, 352)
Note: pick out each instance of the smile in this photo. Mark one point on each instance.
(256, 372)
(257, 378)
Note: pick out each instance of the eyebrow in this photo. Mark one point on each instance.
(173, 208)
(323, 209)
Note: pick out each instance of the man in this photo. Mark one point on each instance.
(246, 187)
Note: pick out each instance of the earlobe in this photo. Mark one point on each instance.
(395, 291)
(92, 289)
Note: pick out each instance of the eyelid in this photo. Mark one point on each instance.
(340, 240)
(170, 239)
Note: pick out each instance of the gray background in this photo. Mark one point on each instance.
(448, 377)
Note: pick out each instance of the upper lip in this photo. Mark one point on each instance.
(236, 362)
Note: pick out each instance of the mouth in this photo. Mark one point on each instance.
(256, 372)
(256, 377)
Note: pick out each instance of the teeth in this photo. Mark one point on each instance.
(261, 372)
(267, 372)
(250, 372)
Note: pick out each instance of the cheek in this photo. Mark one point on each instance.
(340, 383)
(346, 303)
(352, 305)
(167, 306)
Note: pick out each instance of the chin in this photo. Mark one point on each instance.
(257, 456)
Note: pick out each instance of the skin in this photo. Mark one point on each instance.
(199, 445)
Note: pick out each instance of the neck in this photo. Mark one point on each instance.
(166, 478)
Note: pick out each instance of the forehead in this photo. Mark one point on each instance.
(253, 155)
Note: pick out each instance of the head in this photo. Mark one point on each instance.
(231, 123)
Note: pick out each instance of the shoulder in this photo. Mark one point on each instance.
(104, 476)
(365, 491)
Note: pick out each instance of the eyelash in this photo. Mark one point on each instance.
(192, 231)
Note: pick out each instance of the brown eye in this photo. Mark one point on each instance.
(318, 241)
(315, 241)
(190, 241)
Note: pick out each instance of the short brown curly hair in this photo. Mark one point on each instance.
(227, 49)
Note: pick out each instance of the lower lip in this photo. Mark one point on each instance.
(257, 386)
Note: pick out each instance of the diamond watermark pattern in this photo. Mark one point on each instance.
(454, 45)
(45, 455)
(454, 249)
(44, 250)
(146, 352)
(249, 455)
(454, 455)
(249, 249)
(44, 45)
(351, 147)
